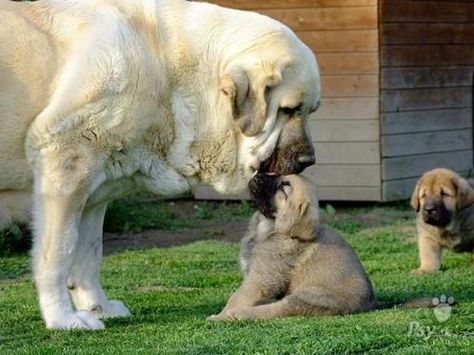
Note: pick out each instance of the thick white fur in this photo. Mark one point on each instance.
(99, 98)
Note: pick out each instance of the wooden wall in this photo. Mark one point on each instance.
(346, 132)
(427, 60)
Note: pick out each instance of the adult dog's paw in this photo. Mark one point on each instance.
(111, 309)
(422, 271)
(76, 320)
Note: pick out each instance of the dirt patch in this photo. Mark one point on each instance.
(228, 231)
(347, 220)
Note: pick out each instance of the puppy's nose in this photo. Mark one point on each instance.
(430, 209)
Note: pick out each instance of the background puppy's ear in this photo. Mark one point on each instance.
(464, 192)
(248, 99)
(415, 200)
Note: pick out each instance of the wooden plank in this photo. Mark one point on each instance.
(340, 41)
(422, 99)
(427, 33)
(343, 63)
(414, 166)
(344, 193)
(428, 77)
(347, 193)
(422, 121)
(290, 4)
(326, 18)
(350, 86)
(347, 152)
(348, 108)
(428, 142)
(344, 175)
(344, 131)
(426, 55)
(427, 11)
(396, 190)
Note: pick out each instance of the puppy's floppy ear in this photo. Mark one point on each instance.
(247, 97)
(303, 207)
(464, 192)
(415, 200)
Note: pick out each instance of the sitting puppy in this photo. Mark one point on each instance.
(287, 255)
(444, 203)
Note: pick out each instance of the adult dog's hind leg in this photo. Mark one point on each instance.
(62, 183)
(84, 278)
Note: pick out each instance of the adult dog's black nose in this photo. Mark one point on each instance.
(304, 161)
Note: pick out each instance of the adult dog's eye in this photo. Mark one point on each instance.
(291, 111)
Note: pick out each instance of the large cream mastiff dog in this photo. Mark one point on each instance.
(102, 97)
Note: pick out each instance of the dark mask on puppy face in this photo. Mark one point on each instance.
(262, 191)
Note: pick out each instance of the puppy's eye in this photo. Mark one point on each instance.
(283, 184)
(445, 193)
(284, 187)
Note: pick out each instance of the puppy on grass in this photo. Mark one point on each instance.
(444, 203)
(289, 257)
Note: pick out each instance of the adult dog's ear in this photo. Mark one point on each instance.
(415, 199)
(464, 193)
(248, 98)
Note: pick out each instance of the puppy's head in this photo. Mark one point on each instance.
(289, 200)
(439, 194)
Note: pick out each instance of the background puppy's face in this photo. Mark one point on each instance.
(439, 194)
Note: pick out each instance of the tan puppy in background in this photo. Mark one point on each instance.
(287, 255)
(445, 216)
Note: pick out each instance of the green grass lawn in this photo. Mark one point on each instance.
(171, 292)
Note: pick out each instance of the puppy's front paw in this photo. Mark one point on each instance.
(217, 317)
(241, 313)
(77, 320)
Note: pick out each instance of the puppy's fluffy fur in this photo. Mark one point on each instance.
(307, 267)
(444, 203)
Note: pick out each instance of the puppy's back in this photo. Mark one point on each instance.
(331, 263)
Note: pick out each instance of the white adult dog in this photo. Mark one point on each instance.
(102, 97)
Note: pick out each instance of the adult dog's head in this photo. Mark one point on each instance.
(268, 84)
(290, 200)
(439, 195)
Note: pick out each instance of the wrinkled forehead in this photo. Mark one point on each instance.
(436, 183)
(301, 80)
(302, 188)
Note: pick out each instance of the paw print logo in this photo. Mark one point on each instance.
(443, 307)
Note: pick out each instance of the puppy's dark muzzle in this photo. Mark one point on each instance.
(436, 214)
(262, 190)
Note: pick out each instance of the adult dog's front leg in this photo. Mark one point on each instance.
(83, 282)
(62, 181)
